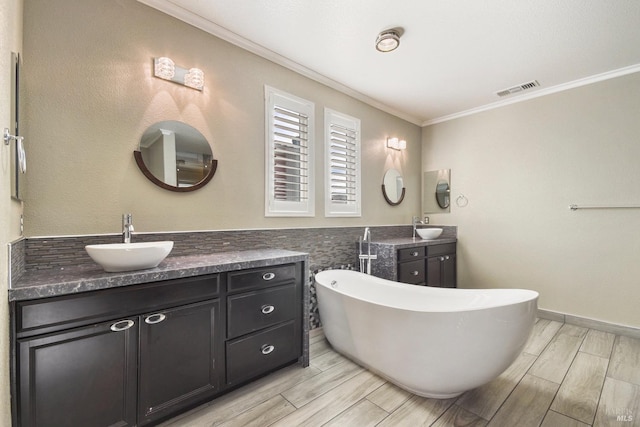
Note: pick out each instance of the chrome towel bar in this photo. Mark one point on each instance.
(576, 207)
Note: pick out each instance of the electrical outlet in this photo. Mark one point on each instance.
(426, 220)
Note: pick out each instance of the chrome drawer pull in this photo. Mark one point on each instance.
(415, 273)
(122, 325)
(267, 348)
(441, 258)
(154, 318)
(414, 253)
(267, 309)
(268, 276)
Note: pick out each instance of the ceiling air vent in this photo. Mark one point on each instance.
(519, 88)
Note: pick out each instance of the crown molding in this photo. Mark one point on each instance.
(538, 93)
(166, 6)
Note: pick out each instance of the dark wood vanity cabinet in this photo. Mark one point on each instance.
(136, 355)
(433, 265)
(263, 321)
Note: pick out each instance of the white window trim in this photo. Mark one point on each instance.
(279, 208)
(331, 208)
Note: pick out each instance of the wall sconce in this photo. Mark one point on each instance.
(396, 144)
(165, 68)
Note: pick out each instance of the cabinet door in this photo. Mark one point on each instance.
(449, 271)
(82, 377)
(178, 358)
(434, 276)
(441, 271)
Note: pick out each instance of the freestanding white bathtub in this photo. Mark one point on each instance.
(433, 342)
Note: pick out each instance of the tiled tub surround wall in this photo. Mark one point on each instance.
(331, 247)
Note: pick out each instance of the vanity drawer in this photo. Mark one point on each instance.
(411, 253)
(53, 314)
(260, 277)
(250, 311)
(412, 272)
(442, 249)
(260, 352)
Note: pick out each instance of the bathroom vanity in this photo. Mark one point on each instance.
(136, 348)
(416, 261)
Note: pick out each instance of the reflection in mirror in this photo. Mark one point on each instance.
(436, 191)
(393, 187)
(442, 193)
(175, 156)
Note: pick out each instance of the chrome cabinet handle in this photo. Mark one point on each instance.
(267, 309)
(267, 348)
(414, 253)
(268, 276)
(415, 272)
(447, 257)
(122, 325)
(154, 318)
(441, 258)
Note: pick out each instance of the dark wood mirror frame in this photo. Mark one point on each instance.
(212, 171)
(384, 193)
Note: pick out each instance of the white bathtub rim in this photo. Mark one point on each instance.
(530, 294)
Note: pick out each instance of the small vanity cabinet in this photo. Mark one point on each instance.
(263, 321)
(430, 263)
(135, 355)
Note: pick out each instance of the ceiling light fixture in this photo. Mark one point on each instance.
(388, 40)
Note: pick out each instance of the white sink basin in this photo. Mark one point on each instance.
(129, 256)
(429, 233)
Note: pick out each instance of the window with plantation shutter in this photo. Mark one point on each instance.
(342, 160)
(289, 155)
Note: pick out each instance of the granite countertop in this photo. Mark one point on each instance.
(64, 281)
(411, 242)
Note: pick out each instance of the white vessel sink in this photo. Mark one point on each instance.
(429, 233)
(115, 257)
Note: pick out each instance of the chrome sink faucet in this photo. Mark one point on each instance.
(415, 221)
(127, 228)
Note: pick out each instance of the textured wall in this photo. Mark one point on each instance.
(10, 41)
(520, 167)
(90, 96)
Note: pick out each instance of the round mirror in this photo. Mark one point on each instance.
(442, 194)
(393, 187)
(175, 156)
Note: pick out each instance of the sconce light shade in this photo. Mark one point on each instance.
(396, 144)
(194, 78)
(388, 40)
(164, 68)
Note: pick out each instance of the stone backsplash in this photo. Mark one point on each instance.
(328, 247)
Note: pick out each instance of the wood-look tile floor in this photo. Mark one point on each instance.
(566, 376)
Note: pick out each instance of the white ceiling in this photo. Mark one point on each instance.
(453, 57)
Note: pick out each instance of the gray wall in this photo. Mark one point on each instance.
(90, 95)
(520, 167)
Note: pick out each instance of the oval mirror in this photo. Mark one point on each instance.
(175, 156)
(393, 187)
(442, 193)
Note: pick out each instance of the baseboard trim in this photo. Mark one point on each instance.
(586, 322)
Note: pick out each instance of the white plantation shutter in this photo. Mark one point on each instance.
(289, 158)
(342, 160)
